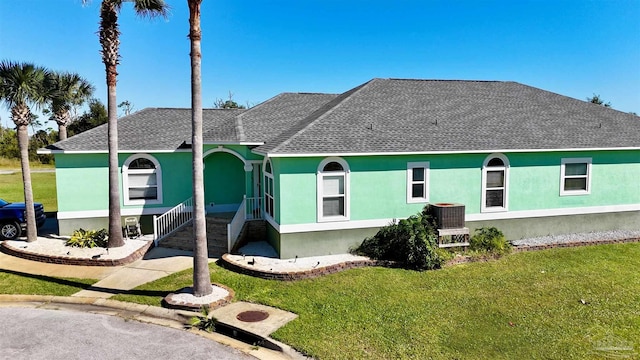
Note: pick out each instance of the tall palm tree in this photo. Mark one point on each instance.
(67, 90)
(109, 35)
(201, 278)
(23, 85)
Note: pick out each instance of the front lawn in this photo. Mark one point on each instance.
(20, 283)
(43, 185)
(554, 304)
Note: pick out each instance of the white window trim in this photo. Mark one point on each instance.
(320, 186)
(563, 163)
(410, 182)
(269, 175)
(125, 180)
(505, 168)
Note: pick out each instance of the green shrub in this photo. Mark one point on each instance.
(491, 240)
(412, 242)
(204, 321)
(88, 238)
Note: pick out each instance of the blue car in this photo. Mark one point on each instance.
(13, 219)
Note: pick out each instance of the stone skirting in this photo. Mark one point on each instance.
(67, 260)
(303, 274)
(522, 248)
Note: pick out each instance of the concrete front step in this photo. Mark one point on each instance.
(216, 237)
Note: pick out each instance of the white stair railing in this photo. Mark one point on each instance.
(167, 223)
(235, 226)
(254, 208)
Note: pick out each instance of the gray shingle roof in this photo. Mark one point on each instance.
(152, 129)
(391, 115)
(387, 116)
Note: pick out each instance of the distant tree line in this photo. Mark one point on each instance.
(95, 115)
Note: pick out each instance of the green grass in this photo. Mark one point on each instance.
(43, 185)
(14, 164)
(525, 305)
(26, 284)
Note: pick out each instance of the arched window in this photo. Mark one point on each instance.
(333, 190)
(268, 189)
(142, 180)
(495, 180)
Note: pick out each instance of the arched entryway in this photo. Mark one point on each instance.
(225, 180)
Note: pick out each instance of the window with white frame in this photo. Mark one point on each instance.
(495, 180)
(268, 189)
(575, 176)
(142, 180)
(417, 182)
(333, 190)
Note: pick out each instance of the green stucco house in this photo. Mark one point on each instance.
(327, 170)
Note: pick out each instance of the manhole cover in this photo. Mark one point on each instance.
(252, 316)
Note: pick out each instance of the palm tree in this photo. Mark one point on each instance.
(23, 85)
(110, 41)
(201, 278)
(68, 90)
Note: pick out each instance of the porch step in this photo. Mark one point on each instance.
(216, 237)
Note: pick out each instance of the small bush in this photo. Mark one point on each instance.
(412, 242)
(491, 240)
(88, 238)
(203, 321)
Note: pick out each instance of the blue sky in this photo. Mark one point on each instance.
(257, 49)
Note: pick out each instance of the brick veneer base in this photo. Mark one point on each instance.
(299, 275)
(332, 269)
(67, 260)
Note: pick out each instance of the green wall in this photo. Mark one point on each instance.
(82, 180)
(378, 184)
(224, 178)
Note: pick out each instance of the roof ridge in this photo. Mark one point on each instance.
(318, 114)
(238, 119)
(449, 80)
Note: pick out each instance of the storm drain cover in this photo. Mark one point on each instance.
(252, 316)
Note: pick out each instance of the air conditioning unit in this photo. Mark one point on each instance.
(448, 215)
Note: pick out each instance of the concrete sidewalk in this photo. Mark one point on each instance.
(156, 264)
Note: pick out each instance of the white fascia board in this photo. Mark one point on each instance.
(120, 151)
(249, 143)
(363, 224)
(45, 151)
(63, 215)
(334, 225)
(275, 155)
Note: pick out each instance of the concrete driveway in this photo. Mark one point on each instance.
(29, 333)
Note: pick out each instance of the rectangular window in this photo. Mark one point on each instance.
(333, 195)
(417, 182)
(575, 176)
(142, 186)
(268, 194)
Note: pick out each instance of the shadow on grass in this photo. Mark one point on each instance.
(83, 286)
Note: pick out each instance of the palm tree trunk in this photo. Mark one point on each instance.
(201, 277)
(23, 144)
(115, 221)
(109, 39)
(62, 132)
